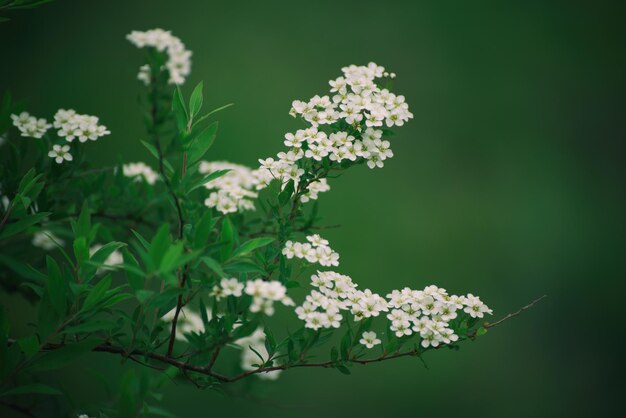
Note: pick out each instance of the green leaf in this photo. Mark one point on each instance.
(195, 101)
(244, 267)
(135, 280)
(16, 227)
(209, 177)
(29, 345)
(96, 294)
(155, 153)
(56, 287)
(26, 180)
(22, 269)
(214, 265)
(196, 122)
(249, 246)
(334, 354)
(346, 345)
(227, 235)
(244, 330)
(89, 327)
(159, 245)
(30, 389)
(285, 196)
(105, 251)
(202, 230)
(81, 250)
(171, 258)
(481, 331)
(82, 227)
(343, 369)
(201, 143)
(142, 240)
(180, 112)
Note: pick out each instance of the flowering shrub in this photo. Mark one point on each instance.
(176, 263)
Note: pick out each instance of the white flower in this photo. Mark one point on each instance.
(140, 171)
(30, 126)
(178, 63)
(228, 287)
(317, 251)
(264, 294)
(475, 307)
(46, 240)
(60, 153)
(369, 339)
(317, 241)
(72, 125)
(357, 101)
(233, 191)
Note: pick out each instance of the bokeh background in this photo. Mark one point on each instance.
(509, 182)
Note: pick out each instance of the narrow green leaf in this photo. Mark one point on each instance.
(251, 245)
(155, 153)
(195, 101)
(56, 287)
(227, 236)
(159, 245)
(96, 294)
(285, 196)
(201, 143)
(16, 227)
(196, 122)
(171, 258)
(29, 345)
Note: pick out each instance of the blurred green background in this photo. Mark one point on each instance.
(509, 182)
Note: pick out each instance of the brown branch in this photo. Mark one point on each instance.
(207, 370)
(179, 307)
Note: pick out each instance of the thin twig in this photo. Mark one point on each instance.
(207, 371)
(513, 314)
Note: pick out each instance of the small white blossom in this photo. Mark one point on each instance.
(369, 339)
(60, 153)
(140, 171)
(178, 63)
(30, 126)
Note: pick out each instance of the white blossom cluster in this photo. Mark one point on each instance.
(227, 287)
(234, 190)
(335, 293)
(315, 251)
(426, 312)
(265, 293)
(72, 125)
(30, 126)
(178, 63)
(140, 171)
(353, 114)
